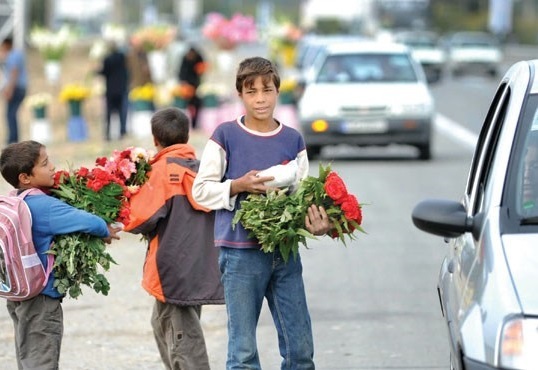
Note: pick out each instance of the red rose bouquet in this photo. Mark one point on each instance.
(103, 191)
(277, 219)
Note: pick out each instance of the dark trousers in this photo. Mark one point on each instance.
(116, 104)
(12, 109)
(38, 324)
(195, 104)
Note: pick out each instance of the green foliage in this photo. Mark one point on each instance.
(277, 219)
(78, 261)
(79, 257)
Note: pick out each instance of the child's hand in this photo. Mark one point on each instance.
(113, 233)
(250, 183)
(317, 221)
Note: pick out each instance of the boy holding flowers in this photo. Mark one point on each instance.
(229, 171)
(38, 321)
(180, 269)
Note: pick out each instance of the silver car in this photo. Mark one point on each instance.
(488, 280)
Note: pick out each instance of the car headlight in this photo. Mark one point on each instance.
(519, 340)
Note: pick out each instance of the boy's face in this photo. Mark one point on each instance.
(42, 174)
(260, 100)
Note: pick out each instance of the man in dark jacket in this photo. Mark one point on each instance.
(115, 73)
(190, 71)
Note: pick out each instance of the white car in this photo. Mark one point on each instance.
(426, 50)
(474, 51)
(366, 94)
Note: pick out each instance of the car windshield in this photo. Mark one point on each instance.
(347, 68)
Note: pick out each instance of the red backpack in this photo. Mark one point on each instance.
(22, 275)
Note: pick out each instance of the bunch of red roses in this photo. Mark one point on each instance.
(342, 207)
(103, 191)
(277, 219)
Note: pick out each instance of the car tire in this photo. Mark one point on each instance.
(424, 151)
(313, 151)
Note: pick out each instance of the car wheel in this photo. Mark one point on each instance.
(424, 151)
(313, 151)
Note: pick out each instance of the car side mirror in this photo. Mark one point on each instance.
(441, 217)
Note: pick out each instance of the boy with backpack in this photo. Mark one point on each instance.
(181, 269)
(38, 321)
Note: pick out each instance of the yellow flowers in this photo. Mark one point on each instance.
(145, 92)
(288, 85)
(74, 92)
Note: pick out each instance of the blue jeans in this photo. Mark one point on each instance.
(249, 275)
(12, 110)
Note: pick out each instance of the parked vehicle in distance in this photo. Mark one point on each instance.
(366, 94)
(427, 50)
(473, 52)
(310, 46)
(487, 281)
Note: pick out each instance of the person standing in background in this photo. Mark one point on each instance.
(138, 66)
(114, 70)
(14, 89)
(191, 70)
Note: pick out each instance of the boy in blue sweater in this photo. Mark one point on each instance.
(230, 169)
(38, 321)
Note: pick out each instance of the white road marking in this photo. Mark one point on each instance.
(452, 128)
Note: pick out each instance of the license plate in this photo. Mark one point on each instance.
(358, 127)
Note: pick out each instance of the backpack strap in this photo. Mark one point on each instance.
(36, 191)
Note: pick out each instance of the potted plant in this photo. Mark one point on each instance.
(154, 40)
(52, 46)
(211, 94)
(182, 94)
(39, 103)
(40, 126)
(142, 97)
(287, 91)
(74, 95)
